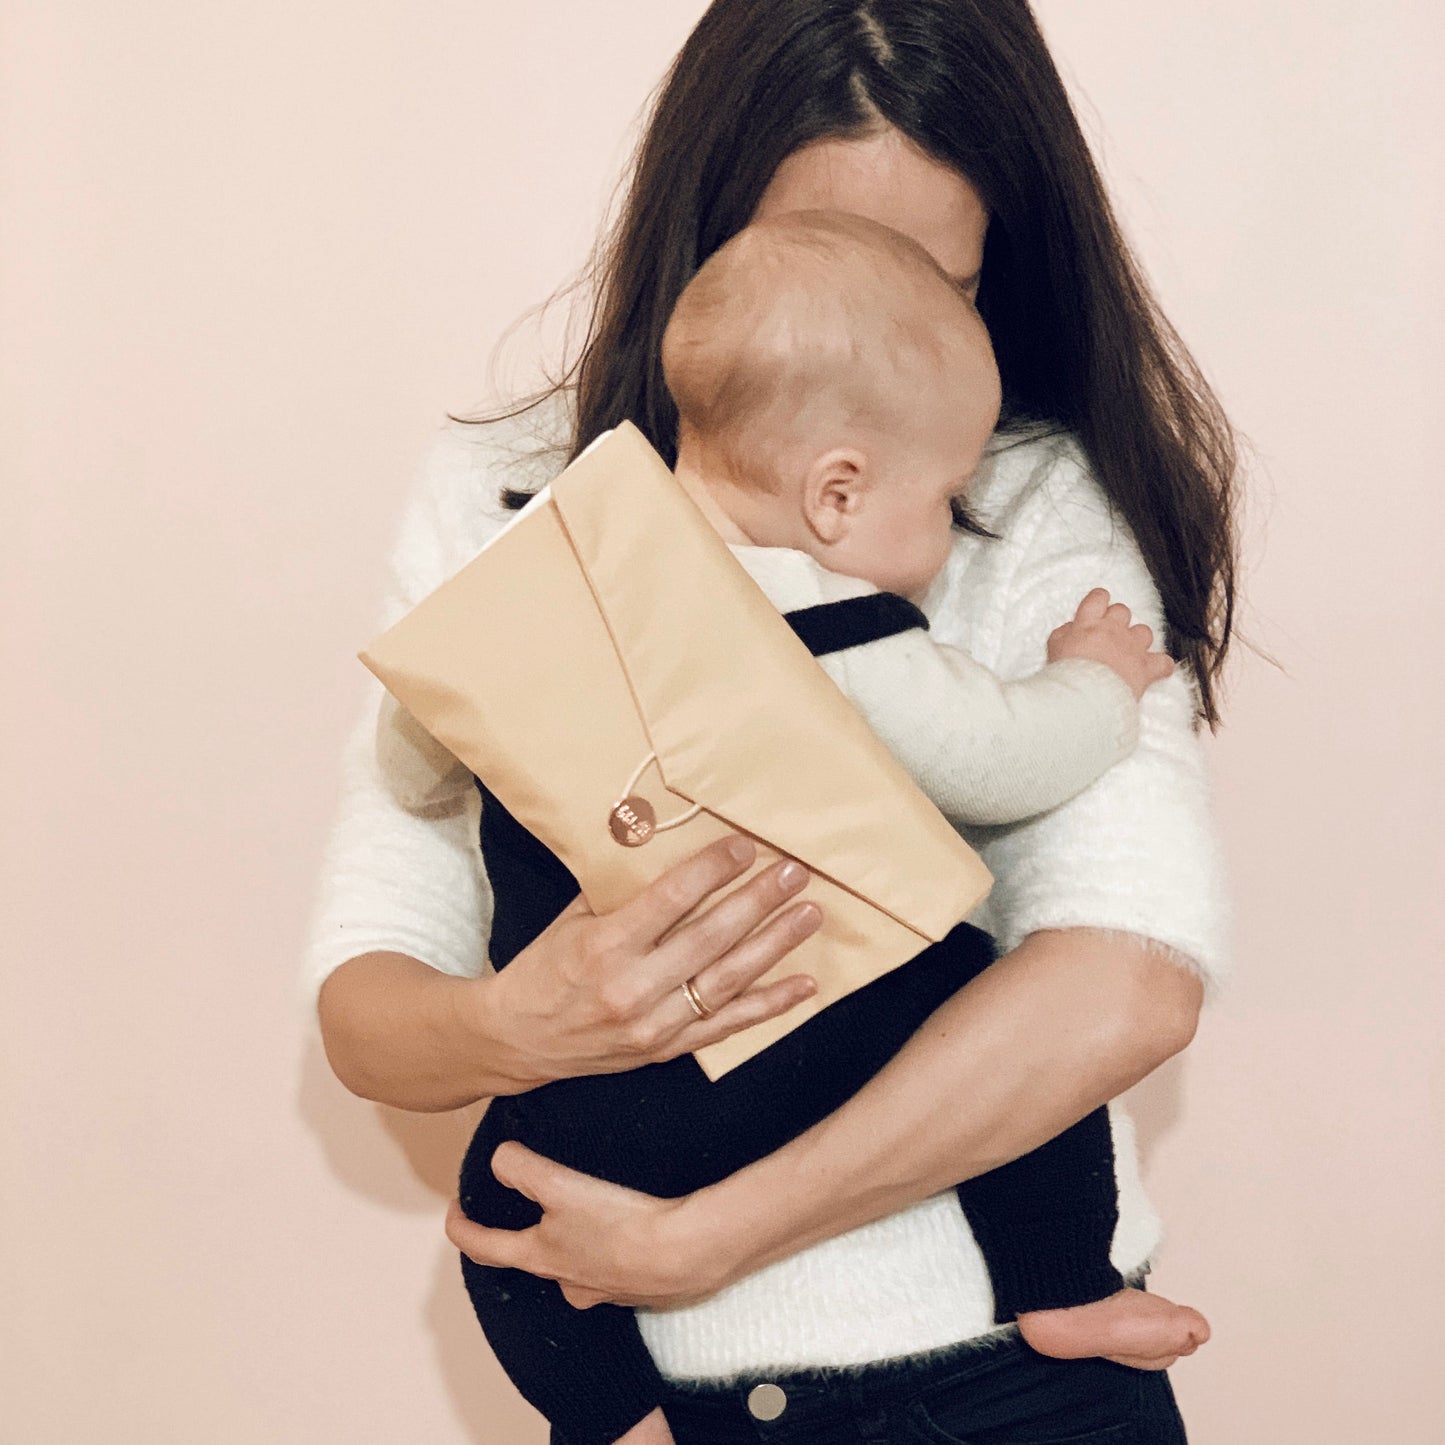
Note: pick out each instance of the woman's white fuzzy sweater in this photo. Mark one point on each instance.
(1136, 851)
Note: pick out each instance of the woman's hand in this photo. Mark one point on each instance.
(597, 994)
(599, 1241)
(590, 995)
(1068, 1020)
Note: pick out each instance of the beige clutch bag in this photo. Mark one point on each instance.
(611, 672)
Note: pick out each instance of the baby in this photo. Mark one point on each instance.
(835, 395)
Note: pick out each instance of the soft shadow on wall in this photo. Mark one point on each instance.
(409, 1162)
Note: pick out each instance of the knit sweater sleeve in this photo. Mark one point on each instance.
(400, 869)
(1136, 851)
(982, 749)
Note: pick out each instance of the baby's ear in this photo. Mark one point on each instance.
(419, 772)
(834, 489)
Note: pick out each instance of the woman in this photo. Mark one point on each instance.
(949, 122)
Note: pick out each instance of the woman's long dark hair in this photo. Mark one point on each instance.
(1081, 344)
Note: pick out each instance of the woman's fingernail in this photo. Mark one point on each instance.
(790, 874)
(739, 849)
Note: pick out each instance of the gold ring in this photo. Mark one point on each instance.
(694, 1000)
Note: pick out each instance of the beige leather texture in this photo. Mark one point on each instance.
(609, 621)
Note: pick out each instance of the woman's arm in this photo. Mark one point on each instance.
(396, 970)
(391, 1028)
(1067, 1021)
(592, 994)
(402, 907)
(1110, 907)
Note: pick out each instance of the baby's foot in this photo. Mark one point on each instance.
(1132, 1327)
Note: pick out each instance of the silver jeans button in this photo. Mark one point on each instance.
(767, 1402)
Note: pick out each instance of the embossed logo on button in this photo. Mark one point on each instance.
(633, 821)
(767, 1402)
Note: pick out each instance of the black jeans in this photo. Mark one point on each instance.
(998, 1394)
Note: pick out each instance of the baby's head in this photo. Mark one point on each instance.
(835, 391)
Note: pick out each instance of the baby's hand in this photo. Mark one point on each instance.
(650, 1430)
(1100, 630)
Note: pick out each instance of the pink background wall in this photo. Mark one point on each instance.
(250, 253)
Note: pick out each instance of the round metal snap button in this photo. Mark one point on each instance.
(767, 1402)
(632, 821)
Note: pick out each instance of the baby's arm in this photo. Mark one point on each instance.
(987, 751)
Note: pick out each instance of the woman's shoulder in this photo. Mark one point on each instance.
(455, 505)
(1037, 485)
(467, 464)
(1057, 535)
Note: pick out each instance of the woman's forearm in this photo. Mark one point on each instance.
(1068, 1020)
(403, 1033)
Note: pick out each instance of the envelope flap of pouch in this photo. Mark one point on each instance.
(760, 735)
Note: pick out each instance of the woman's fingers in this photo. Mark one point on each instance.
(578, 907)
(1091, 609)
(542, 1180)
(640, 923)
(621, 973)
(750, 1007)
(729, 977)
(521, 1168)
(721, 944)
(599, 1240)
(724, 949)
(502, 1248)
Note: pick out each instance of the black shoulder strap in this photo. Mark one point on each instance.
(832, 626)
